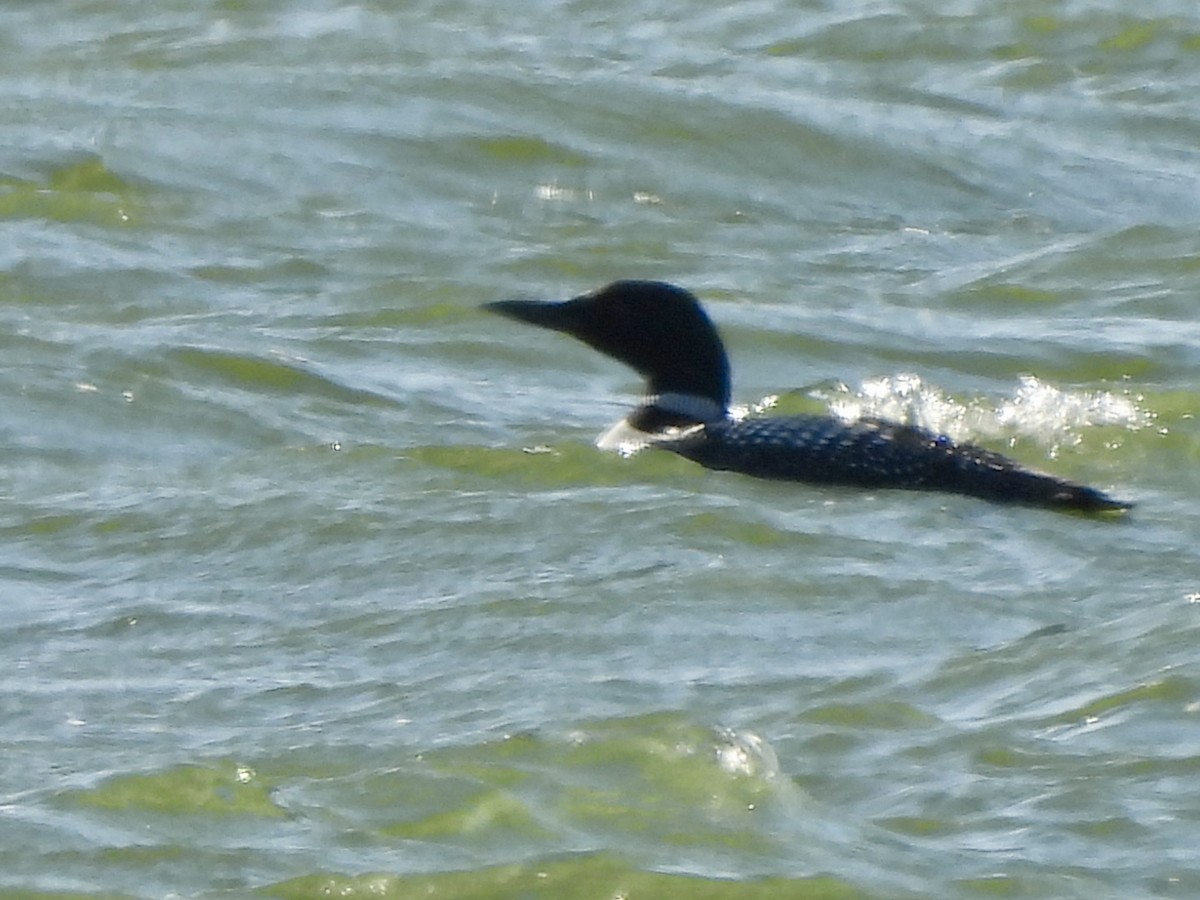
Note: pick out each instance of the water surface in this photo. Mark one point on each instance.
(313, 582)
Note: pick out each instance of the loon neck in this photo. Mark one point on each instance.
(668, 416)
(660, 413)
(693, 408)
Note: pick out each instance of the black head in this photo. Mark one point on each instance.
(657, 328)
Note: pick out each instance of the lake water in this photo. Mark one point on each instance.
(313, 583)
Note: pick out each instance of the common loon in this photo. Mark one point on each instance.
(664, 334)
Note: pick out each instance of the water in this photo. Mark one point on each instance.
(313, 582)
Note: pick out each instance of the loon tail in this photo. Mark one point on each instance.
(992, 476)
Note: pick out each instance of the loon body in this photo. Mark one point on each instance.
(664, 334)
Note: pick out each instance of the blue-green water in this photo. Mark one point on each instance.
(314, 585)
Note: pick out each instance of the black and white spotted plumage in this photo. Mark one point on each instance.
(872, 453)
(664, 334)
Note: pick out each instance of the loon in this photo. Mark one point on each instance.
(663, 333)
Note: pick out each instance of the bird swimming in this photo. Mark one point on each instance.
(664, 334)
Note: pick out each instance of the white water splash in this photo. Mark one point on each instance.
(745, 753)
(1036, 410)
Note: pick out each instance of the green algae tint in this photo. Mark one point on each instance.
(226, 789)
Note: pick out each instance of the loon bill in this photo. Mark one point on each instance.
(664, 334)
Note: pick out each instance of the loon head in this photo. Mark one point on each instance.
(658, 329)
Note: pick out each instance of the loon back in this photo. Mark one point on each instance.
(663, 333)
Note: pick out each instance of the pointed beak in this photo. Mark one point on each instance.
(555, 316)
